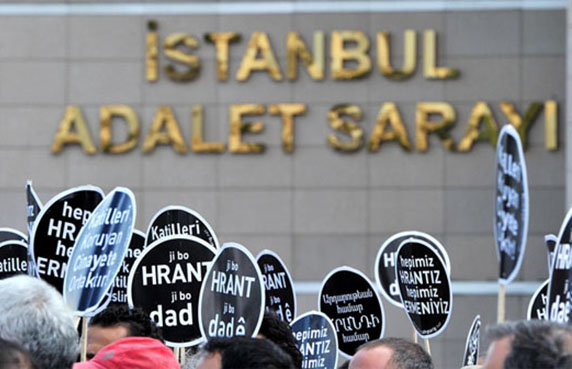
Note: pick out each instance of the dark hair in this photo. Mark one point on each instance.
(540, 344)
(254, 353)
(13, 356)
(406, 354)
(135, 320)
(214, 345)
(500, 331)
(279, 332)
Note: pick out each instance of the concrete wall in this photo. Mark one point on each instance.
(317, 208)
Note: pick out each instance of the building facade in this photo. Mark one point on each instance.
(376, 117)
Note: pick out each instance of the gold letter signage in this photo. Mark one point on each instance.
(339, 56)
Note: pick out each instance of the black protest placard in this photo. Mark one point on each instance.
(98, 252)
(232, 297)
(10, 234)
(13, 258)
(280, 294)
(165, 282)
(317, 340)
(117, 294)
(176, 220)
(424, 286)
(56, 229)
(349, 299)
(33, 208)
(537, 307)
(560, 285)
(511, 204)
(472, 346)
(550, 241)
(385, 262)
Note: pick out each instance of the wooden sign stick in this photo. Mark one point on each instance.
(183, 356)
(501, 303)
(427, 346)
(415, 339)
(84, 321)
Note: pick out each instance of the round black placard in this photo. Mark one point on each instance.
(13, 258)
(511, 204)
(56, 229)
(232, 297)
(538, 302)
(424, 286)
(175, 220)
(280, 294)
(385, 262)
(317, 340)
(165, 282)
(349, 299)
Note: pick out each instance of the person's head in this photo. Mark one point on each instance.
(500, 337)
(33, 314)
(116, 322)
(132, 353)
(254, 353)
(12, 356)
(391, 353)
(210, 353)
(279, 332)
(540, 344)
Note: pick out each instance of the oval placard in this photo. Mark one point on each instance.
(176, 220)
(424, 286)
(350, 301)
(317, 340)
(550, 241)
(99, 251)
(232, 297)
(559, 288)
(117, 294)
(34, 206)
(13, 258)
(33, 209)
(56, 229)
(165, 281)
(279, 288)
(538, 303)
(511, 204)
(472, 346)
(385, 262)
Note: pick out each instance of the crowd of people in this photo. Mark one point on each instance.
(38, 331)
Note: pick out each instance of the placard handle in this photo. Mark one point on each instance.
(427, 346)
(501, 303)
(84, 321)
(183, 358)
(415, 338)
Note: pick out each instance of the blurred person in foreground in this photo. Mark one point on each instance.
(242, 353)
(12, 356)
(210, 353)
(116, 322)
(391, 353)
(132, 353)
(279, 332)
(33, 314)
(531, 344)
